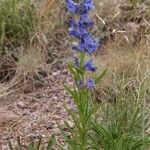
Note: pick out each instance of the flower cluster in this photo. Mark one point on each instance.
(79, 29)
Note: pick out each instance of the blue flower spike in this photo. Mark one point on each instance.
(86, 43)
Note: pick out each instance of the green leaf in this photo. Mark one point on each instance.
(92, 111)
(76, 120)
(80, 71)
(134, 117)
(100, 77)
(75, 72)
(106, 135)
(142, 142)
(73, 93)
(32, 145)
(71, 69)
(51, 142)
(123, 143)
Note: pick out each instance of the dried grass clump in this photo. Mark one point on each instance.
(30, 62)
(128, 70)
(122, 16)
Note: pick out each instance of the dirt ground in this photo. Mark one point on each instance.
(33, 114)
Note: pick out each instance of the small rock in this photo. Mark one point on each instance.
(20, 105)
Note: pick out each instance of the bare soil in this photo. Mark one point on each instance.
(33, 114)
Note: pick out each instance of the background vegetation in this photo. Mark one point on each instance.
(33, 36)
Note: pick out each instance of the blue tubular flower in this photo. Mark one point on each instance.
(75, 29)
(80, 83)
(79, 8)
(89, 66)
(85, 6)
(78, 29)
(85, 22)
(71, 6)
(87, 44)
(90, 84)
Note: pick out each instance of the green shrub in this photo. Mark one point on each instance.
(123, 120)
(17, 21)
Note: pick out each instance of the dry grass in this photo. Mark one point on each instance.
(48, 34)
(46, 6)
(30, 62)
(128, 72)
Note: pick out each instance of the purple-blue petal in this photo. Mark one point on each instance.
(85, 22)
(90, 84)
(75, 29)
(88, 43)
(71, 6)
(80, 83)
(85, 6)
(89, 66)
(80, 8)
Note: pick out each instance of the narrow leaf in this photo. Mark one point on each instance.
(99, 78)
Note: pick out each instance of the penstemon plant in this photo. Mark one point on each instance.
(88, 132)
(82, 65)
